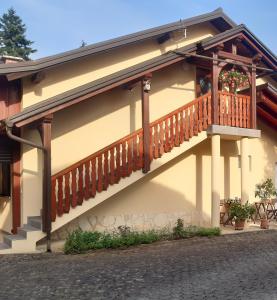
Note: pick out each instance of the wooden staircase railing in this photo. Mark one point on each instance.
(95, 173)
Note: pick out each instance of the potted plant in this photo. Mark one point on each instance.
(265, 191)
(241, 212)
(264, 221)
(232, 79)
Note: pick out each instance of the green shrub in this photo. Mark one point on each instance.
(81, 241)
(241, 211)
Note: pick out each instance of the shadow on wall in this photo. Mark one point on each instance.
(151, 202)
(269, 145)
(101, 61)
(110, 102)
(140, 212)
(5, 214)
(178, 189)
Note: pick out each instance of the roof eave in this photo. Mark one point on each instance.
(25, 69)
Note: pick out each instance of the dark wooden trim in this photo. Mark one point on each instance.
(259, 51)
(262, 98)
(14, 95)
(45, 131)
(145, 126)
(16, 183)
(253, 97)
(267, 117)
(235, 57)
(215, 75)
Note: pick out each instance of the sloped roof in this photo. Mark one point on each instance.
(101, 85)
(218, 18)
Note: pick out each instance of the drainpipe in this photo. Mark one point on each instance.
(9, 127)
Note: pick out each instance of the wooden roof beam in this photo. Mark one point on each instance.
(267, 117)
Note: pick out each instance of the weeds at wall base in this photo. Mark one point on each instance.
(81, 241)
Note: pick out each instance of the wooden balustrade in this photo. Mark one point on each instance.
(97, 172)
(234, 110)
(180, 125)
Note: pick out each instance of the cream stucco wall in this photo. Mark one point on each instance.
(5, 214)
(74, 74)
(91, 125)
(181, 188)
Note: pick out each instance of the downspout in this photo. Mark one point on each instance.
(9, 127)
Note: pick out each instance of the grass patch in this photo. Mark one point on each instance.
(81, 241)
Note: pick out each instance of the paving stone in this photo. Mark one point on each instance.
(241, 266)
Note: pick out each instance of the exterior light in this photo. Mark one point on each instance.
(146, 85)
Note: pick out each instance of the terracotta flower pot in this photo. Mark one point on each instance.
(264, 224)
(239, 224)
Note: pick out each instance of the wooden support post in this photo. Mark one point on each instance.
(13, 107)
(215, 75)
(45, 131)
(253, 97)
(145, 89)
(16, 203)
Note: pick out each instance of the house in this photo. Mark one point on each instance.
(138, 130)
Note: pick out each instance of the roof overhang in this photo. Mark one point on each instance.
(267, 104)
(13, 71)
(109, 82)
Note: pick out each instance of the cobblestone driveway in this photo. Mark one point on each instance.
(242, 266)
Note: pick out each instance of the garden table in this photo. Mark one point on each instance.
(266, 208)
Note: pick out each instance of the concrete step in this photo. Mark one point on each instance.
(25, 240)
(11, 239)
(26, 229)
(35, 222)
(4, 246)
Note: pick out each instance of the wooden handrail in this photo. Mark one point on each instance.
(96, 172)
(179, 109)
(82, 161)
(75, 165)
(232, 94)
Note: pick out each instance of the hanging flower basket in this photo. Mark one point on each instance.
(232, 79)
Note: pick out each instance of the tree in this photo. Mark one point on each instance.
(13, 39)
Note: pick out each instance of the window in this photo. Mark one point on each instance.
(249, 162)
(5, 179)
(203, 81)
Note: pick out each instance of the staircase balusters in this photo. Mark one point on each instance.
(106, 167)
(106, 170)
(93, 177)
(60, 196)
(112, 164)
(87, 180)
(99, 174)
(66, 193)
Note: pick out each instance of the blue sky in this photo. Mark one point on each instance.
(60, 25)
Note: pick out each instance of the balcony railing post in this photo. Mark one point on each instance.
(215, 75)
(253, 97)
